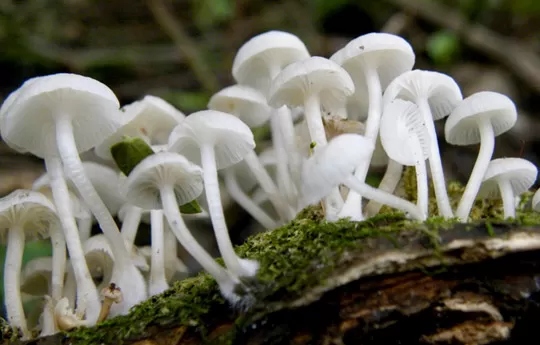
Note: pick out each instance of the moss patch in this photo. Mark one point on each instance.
(293, 259)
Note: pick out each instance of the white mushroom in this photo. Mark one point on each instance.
(24, 215)
(436, 95)
(479, 118)
(322, 172)
(507, 178)
(405, 138)
(372, 60)
(223, 140)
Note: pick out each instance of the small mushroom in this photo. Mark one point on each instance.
(479, 118)
(111, 294)
(322, 172)
(436, 95)
(508, 178)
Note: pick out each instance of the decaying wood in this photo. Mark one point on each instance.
(474, 289)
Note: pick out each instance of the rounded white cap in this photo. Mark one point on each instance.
(441, 91)
(248, 104)
(30, 210)
(313, 76)
(402, 131)
(151, 118)
(518, 171)
(536, 201)
(231, 138)
(100, 258)
(322, 171)
(142, 186)
(93, 108)
(36, 276)
(263, 55)
(388, 54)
(462, 126)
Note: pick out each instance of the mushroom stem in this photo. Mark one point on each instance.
(245, 202)
(487, 145)
(12, 275)
(48, 324)
(422, 190)
(435, 165)
(111, 294)
(125, 273)
(353, 205)
(389, 182)
(267, 184)
(184, 236)
(157, 282)
(211, 185)
(383, 197)
(85, 227)
(130, 225)
(333, 202)
(58, 263)
(507, 196)
(86, 290)
(284, 178)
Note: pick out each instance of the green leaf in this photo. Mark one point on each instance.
(191, 207)
(443, 47)
(130, 152)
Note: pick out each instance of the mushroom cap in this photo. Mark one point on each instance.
(441, 91)
(100, 258)
(36, 275)
(312, 76)
(518, 171)
(93, 108)
(322, 171)
(106, 181)
(30, 210)
(264, 53)
(462, 128)
(142, 186)
(248, 104)
(389, 54)
(152, 118)
(402, 125)
(112, 292)
(231, 138)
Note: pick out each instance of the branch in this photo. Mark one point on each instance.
(518, 57)
(184, 44)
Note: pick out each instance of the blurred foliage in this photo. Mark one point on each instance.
(443, 47)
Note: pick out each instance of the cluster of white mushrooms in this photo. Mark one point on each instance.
(330, 119)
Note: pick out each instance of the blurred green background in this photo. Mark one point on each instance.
(183, 51)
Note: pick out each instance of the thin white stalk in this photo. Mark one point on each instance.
(487, 145)
(186, 239)
(422, 190)
(507, 196)
(70, 287)
(352, 207)
(237, 266)
(267, 184)
(12, 275)
(389, 182)
(85, 227)
(157, 282)
(125, 274)
(130, 226)
(383, 197)
(86, 290)
(172, 262)
(58, 263)
(333, 202)
(245, 201)
(435, 165)
(48, 324)
(284, 178)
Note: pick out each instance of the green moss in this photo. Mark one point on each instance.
(293, 259)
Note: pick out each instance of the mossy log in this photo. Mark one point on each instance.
(386, 280)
